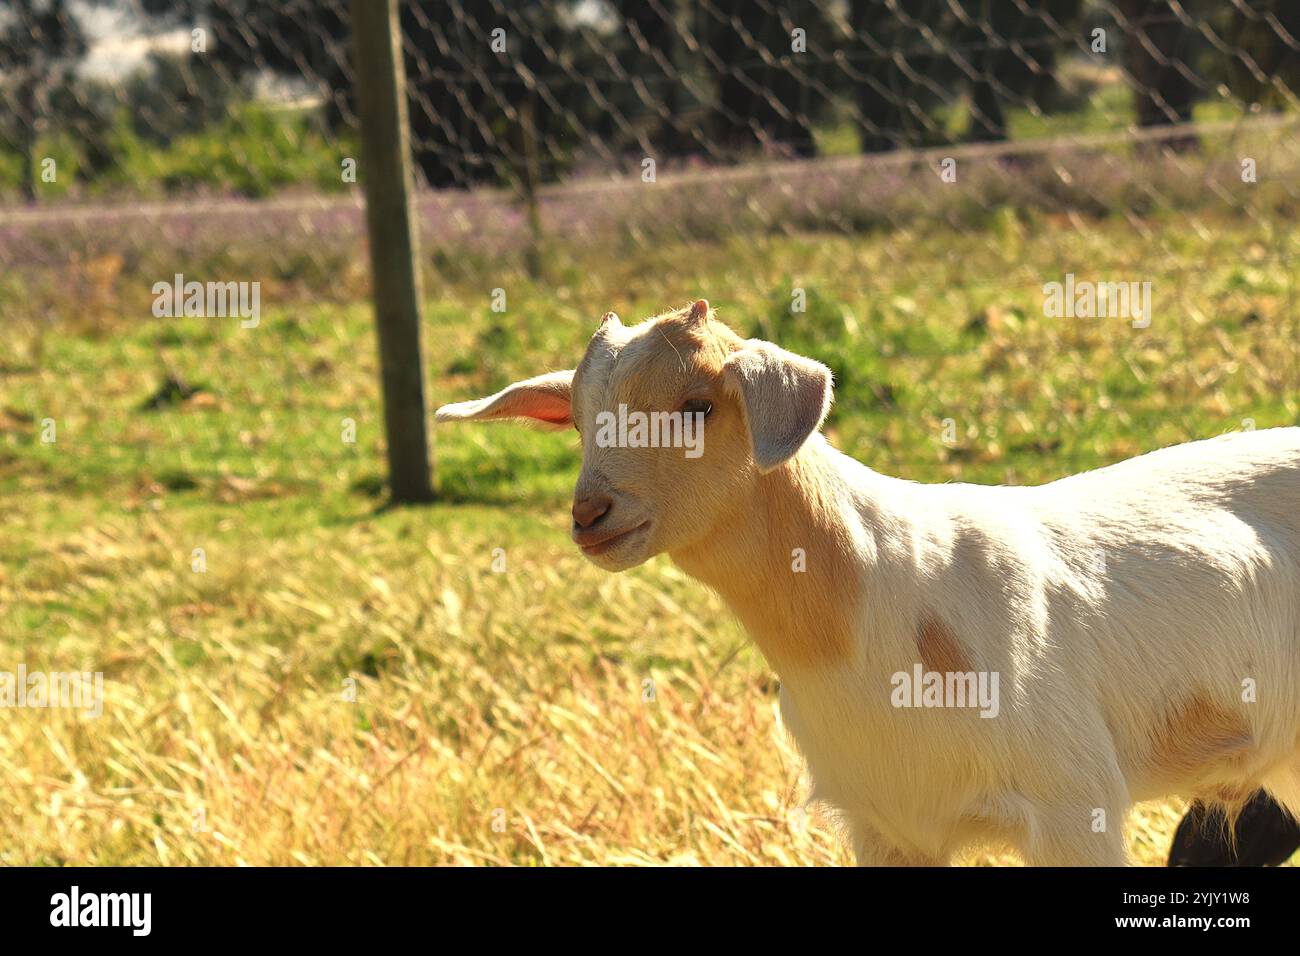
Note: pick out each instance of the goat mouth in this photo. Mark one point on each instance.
(601, 545)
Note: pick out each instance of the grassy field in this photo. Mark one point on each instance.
(546, 713)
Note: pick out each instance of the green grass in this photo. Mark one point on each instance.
(521, 691)
(918, 328)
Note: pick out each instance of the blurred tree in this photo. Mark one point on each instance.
(304, 39)
(1158, 50)
(40, 42)
(463, 95)
(767, 92)
(921, 55)
(85, 111)
(1263, 62)
(177, 94)
(476, 110)
(652, 52)
(1014, 48)
(661, 76)
(898, 72)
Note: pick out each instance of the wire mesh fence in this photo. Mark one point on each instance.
(141, 139)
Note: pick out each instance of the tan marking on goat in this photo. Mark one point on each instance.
(829, 587)
(1197, 738)
(810, 620)
(939, 648)
(799, 620)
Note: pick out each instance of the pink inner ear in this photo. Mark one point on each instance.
(544, 407)
(554, 417)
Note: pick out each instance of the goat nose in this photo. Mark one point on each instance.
(587, 511)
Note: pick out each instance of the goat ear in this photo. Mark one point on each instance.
(785, 397)
(544, 401)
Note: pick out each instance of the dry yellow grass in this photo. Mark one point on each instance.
(547, 715)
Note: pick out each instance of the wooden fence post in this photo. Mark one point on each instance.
(380, 81)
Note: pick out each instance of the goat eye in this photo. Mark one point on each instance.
(697, 406)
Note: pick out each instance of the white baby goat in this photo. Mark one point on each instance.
(1138, 626)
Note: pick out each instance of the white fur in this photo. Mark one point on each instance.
(1199, 591)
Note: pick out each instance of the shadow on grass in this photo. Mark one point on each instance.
(456, 493)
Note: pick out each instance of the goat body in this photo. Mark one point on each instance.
(1142, 619)
(1124, 634)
